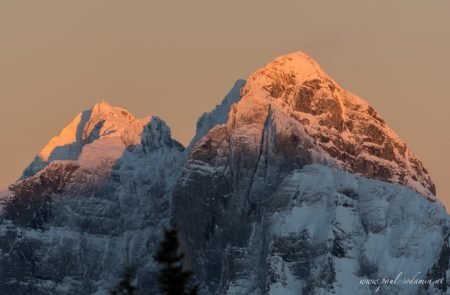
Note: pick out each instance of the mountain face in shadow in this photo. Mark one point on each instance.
(75, 224)
(292, 185)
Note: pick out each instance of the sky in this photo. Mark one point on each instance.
(178, 59)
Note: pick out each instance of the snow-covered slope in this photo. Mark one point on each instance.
(321, 232)
(219, 115)
(366, 229)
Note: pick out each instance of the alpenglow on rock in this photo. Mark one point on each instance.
(245, 177)
(100, 136)
(291, 185)
(292, 113)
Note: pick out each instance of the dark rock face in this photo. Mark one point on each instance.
(297, 250)
(31, 205)
(318, 97)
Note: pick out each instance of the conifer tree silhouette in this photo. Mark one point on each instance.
(125, 287)
(173, 279)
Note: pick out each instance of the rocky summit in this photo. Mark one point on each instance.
(292, 185)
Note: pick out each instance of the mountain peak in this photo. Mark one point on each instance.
(299, 62)
(101, 133)
(293, 111)
(295, 67)
(103, 108)
(102, 104)
(106, 111)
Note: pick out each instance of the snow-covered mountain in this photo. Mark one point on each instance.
(93, 202)
(292, 114)
(292, 185)
(97, 137)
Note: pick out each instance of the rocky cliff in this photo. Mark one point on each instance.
(245, 174)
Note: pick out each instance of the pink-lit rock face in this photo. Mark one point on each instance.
(98, 147)
(291, 112)
(97, 137)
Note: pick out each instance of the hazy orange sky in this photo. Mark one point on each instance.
(178, 59)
